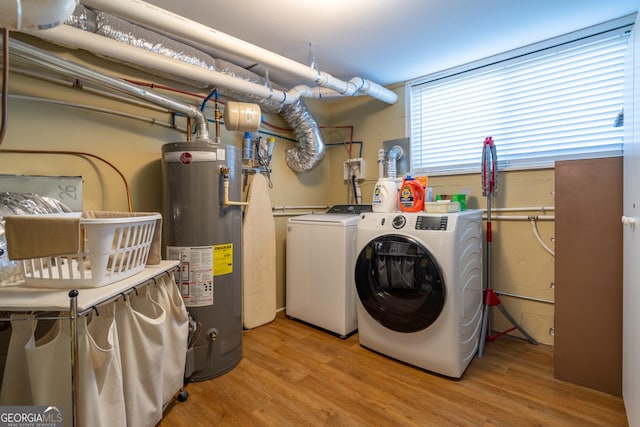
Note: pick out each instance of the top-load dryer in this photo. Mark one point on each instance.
(419, 289)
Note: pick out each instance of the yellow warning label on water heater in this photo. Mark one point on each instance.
(222, 259)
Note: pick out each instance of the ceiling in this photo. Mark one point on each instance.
(392, 41)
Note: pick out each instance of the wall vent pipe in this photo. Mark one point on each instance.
(155, 17)
(394, 154)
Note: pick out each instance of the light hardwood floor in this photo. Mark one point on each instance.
(292, 374)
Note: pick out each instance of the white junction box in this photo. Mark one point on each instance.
(355, 167)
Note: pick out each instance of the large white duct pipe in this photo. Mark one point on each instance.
(75, 38)
(47, 60)
(155, 17)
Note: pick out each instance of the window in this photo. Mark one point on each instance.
(557, 100)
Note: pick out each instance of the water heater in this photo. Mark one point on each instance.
(205, 235)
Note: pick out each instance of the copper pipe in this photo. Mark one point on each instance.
(77, 153)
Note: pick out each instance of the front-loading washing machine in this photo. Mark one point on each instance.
(418, 278)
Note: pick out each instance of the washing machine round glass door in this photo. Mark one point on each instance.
(399, 283)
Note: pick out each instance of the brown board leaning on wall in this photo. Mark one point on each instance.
(588, 273)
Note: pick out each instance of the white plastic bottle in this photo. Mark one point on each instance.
(385, 196)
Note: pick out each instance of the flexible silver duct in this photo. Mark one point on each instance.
(21, 204)
(310, 148)
(394, 154)
(83, 18)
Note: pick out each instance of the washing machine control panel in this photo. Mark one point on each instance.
(431, 223)
(410, 221)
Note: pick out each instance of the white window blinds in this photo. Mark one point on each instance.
(553, 103)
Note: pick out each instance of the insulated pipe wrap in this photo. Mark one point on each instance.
(122, 31)
(83, 18)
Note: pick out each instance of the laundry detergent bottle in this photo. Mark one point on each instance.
(411, 195)
(385, 196)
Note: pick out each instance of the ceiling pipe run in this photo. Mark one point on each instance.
(99, 45)
(155, 17)
(44, 59)
(75, 38)
(234, 82)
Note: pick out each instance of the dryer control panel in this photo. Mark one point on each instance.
(431, 223)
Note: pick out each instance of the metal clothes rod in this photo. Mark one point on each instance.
(279, 214)
(507, 294)
(6, 319)
(133, 288)
(285, 208)
(525, 209)
(75, 368)
(521, 217)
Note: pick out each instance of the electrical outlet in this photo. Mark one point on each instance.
(354, 167)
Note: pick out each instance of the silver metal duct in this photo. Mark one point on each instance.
(83, 18)
(44, 59)
(394, 154)
(309, 150)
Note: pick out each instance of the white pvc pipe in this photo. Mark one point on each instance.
(528, 298)
(525, 209)
(537, 234)
(284, 208)
(73, 37)
(278, 214)
(521, 217)
(45, 59)
(533, 219)
(146, 119)
(381, 155)
(102, 93)
(228, 202)
(153, 16)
